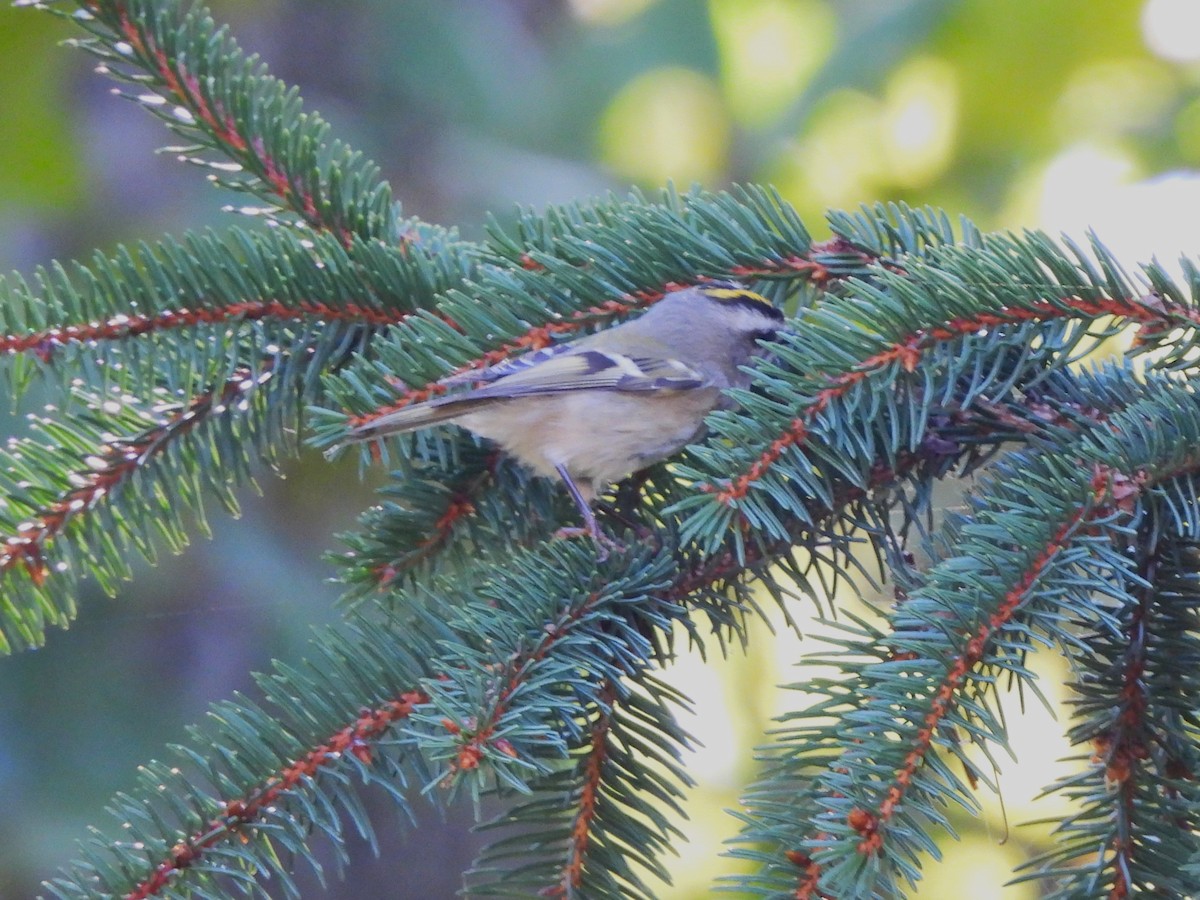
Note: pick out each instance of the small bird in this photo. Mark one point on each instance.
(596, 409)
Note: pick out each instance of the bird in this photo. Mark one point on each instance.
(593, 410)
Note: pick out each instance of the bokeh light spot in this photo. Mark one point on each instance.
(1187, 132)
(840, 158)
(1114, 97)
(1171, 29)
(1095, 188)
(608, 12)
(919, 120)
(769, 50)
(668, 124)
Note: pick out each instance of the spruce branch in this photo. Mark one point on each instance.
(120, 327)
(1135, 711)
(355, 739)
(906, 353)
(94, 475)
(1122, 747)
(483, 734)
(114, 318)
(590, 820)
(192, 74)
(177, 334)
(444, 514)
(270, 775)
(491, 652)
(906, 315)
(943, 652)
(597, 757)
(485, 659)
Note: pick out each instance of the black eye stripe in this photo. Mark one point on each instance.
(758, 306)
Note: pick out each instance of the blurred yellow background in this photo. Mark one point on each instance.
(1065, 115)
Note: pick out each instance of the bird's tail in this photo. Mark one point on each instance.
(414, 418)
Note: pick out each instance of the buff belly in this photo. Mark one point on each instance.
(599, 436)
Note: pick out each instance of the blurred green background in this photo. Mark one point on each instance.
(1063, 114)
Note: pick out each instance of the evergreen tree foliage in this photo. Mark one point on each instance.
(481, 657)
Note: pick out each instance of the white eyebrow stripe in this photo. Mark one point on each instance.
(752, 320)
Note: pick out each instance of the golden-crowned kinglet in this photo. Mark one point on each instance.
(596, 409)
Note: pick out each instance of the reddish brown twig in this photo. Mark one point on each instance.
(109, 468)
(44, 342)
(354, 739)
(191, 92)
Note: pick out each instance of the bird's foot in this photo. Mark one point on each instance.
(604, 543)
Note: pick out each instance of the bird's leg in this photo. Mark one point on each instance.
(592, 527)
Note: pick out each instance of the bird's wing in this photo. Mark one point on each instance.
(552, 373)
(593, 370)
(509, 366)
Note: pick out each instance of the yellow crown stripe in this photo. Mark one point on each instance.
(731, 294)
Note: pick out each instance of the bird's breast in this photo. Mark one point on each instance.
(598, 435)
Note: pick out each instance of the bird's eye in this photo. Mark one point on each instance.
(766, 334)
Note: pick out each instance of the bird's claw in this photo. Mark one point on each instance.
(604, 543)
